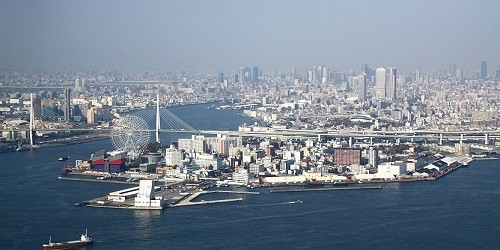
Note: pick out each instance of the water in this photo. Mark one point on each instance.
(460, 211)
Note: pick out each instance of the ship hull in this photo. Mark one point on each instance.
(66, 245)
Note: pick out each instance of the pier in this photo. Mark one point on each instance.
(187, 200)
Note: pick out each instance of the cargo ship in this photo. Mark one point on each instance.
(340, 184)
(314, 183)
(84, 240)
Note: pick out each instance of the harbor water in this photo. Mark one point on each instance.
(459, 211)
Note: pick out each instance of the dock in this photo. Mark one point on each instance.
(324, 189)
(187, 200)
(95, 180)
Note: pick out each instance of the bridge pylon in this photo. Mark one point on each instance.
(158, 118)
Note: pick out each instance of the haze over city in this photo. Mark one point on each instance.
(226, 35)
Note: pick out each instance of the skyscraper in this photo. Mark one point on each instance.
(453, 70)
(380, 79)
(274, 73)
(67, 104)
(391, 89)
(362, 87)
(484, 70)
(220, 79)
(255, 74)
(236, 78)
(246, 74)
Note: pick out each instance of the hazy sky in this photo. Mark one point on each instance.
(225, 35)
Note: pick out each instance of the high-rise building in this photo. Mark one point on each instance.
(67, 104)
(372, 156)
(314, 74)
(274, 73)
(362, 87)
(37, 107)
(326, 75)
(255, 74)
(380, 80)
(391, 89)
(91, 115)
(453, 70)
(484, 70)
(417, 76)
(246, 74)
(236, 78)
(220, 78)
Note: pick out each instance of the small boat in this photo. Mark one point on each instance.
(64, 158)
(84, 240)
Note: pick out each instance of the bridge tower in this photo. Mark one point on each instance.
(158, 118)
(32, 120)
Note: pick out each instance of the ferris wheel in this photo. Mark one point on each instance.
(131, 134)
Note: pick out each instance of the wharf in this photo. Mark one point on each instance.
(96, 180)
(324, 189)
(187, 200)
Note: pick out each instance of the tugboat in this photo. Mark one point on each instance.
(84, 240)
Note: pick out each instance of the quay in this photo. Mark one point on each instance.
(171, 199)
(324, 189)
(96, 180)
(187, 200)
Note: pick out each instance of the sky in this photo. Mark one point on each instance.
(228, 34)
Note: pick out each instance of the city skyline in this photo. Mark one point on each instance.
(224, 35)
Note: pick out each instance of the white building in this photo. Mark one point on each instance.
(173, 156)
(146, 198)
(205, 161)
(380, 79)
(394, 168)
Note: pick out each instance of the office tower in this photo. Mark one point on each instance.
(314, 74)
(453, 70)
(246, 74)
(367, 70)
(236, 78)
(459, 74)
(274, 73)
(372, 157)
(391, 84)
(484, 70)
(326, 75)
(255, 74)
(310, 76)
(498, 74)
(91, 115)
(37, 107)
(417, 76)
(380, 79)
(220, 79)
(77, 84)
(67, 104)
(362, 87)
